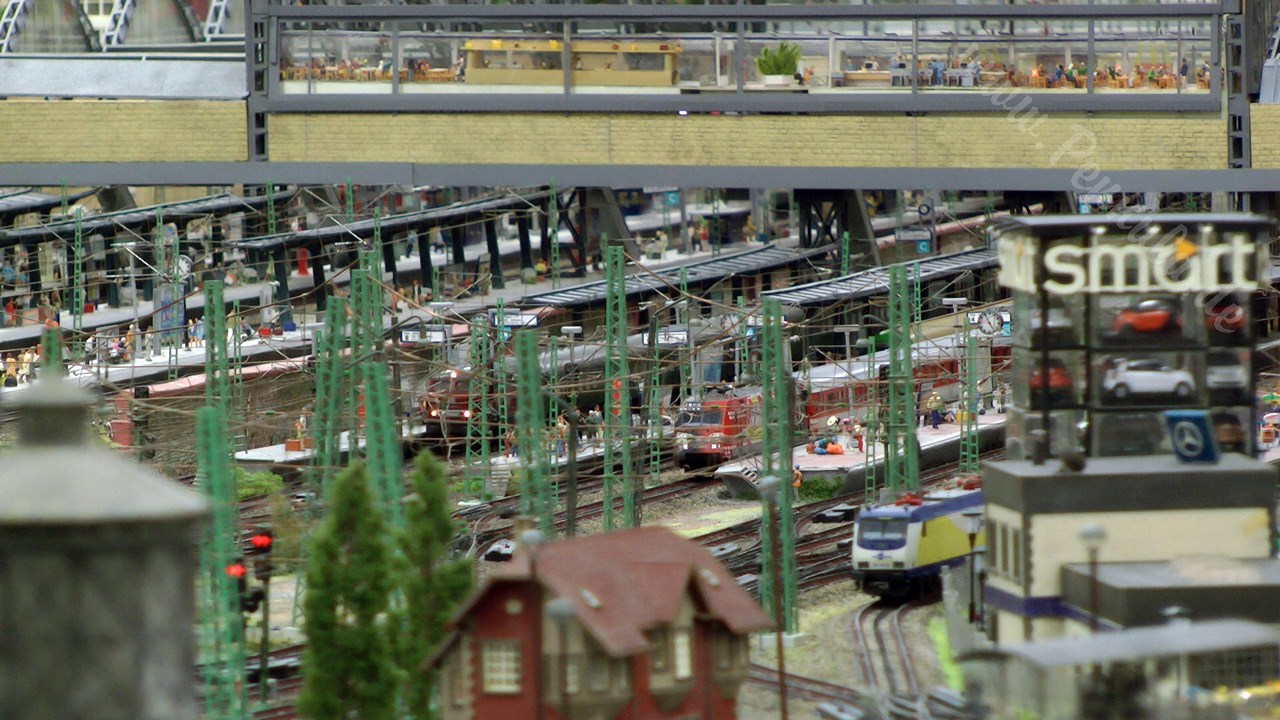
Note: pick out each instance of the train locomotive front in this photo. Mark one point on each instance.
(900, 549)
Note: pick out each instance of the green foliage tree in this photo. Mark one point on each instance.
(432, 584)
(256, 484)
(349, 671)
(782, 60)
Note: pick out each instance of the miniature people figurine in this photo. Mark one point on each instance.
(858, 437)
(130, 336)
(300, 426)
(797, 477)
(10, 372)
(935, 410)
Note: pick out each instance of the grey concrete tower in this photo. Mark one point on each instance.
(97, 573)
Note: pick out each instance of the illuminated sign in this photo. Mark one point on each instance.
(515, 319)
(1179, 266)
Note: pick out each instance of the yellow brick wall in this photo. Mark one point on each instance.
(1264, 135)
(1117, 142)
(122, 131)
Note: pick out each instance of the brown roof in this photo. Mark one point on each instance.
(626, 582)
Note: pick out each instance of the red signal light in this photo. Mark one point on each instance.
(261, 541)
(617, 384)
(235, 570)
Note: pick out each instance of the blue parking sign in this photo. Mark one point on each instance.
(1191, 436)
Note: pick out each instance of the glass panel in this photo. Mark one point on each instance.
(1150, 379)
(1145, 320)
(1232, 429)
(431, 59)
(1062, 379)
(350, 58)
(606, 57)
(872, 64)
(1065, 430)
(1128, 433)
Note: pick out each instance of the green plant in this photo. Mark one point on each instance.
(782, 60)
(257, 484)
(818, 488)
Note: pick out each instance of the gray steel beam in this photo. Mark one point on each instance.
(606, 175)
(730, 13)
(747, 102)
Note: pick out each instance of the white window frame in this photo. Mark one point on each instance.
(682, 653)
(660, 653)
(501, 666)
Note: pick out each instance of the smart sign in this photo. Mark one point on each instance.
(1178, 266)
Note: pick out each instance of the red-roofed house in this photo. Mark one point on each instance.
(654, 627)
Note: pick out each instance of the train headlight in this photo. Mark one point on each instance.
(435, 413)
(466, 413)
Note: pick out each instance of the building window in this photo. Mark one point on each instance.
(1004, 550)
(572, 671)
(501, 664)
(456, 689)
(1015, 568)
(993, 548)
(683, 650)
(724, 651)
(660, 653)
(598, 671)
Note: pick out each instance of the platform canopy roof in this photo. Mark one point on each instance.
(668, 279)
(16, 201)
(137, 217)
(392, 224)
(875, 281)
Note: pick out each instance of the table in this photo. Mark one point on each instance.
(1038, 82)
(868, 77)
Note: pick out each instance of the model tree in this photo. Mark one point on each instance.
(348, 668)
(432, 584)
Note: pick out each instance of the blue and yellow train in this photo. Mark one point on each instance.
(899, 549)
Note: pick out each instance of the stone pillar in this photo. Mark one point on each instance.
(97, 574)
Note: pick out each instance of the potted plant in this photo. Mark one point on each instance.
(778, 65)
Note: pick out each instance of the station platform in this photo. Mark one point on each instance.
(937, 447)
(281, 455)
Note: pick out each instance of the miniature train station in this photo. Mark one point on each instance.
(613, 361)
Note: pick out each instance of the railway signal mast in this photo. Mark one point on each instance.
(779, 418)
(617, 411)
(902, 462)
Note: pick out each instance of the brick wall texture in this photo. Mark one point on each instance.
(1264, 135)
(122, 131)
(1117, 142)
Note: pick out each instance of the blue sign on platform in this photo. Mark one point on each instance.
(922, 247)
(1191, 435)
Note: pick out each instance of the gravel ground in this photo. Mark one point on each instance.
(826, 650)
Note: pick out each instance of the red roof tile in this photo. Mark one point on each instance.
(626, 582)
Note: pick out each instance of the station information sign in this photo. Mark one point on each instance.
(425, 335)
(515, 319)
(668, 337)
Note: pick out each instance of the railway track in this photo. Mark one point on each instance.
(884, 658)
(804, 687)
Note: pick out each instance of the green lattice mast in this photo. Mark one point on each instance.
(902, 460)
(221, 641)
(686, 369)
(221, 625)
(536, 498)
(217, 385)
(382, 446)
(871, 425)
(51, 352)
(235, 361)
(617, 411)
(326, 418)
(478, 440)
(969, 424)
(499, 366)
(654, 386)
(776, 450)
(77, 276)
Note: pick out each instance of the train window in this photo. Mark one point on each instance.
(882, 529)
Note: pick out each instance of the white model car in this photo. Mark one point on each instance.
(1223, 371)
(1147, 377)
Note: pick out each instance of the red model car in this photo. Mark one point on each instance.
(1224, 315)
(1060, 385)
(1147, 317)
